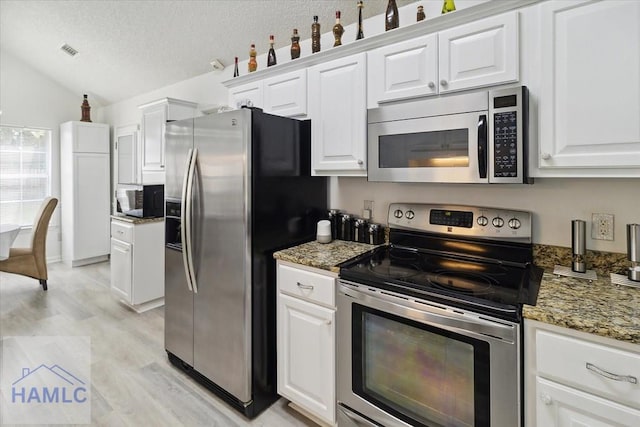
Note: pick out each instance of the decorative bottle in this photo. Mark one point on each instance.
(253, 64)
(338, 30)
(295, 45)
(315, 35)
(271, 55)
(360, 34)
(420, 15)
(236, 73)
(86, 110)
(391, 18)
(448, 6)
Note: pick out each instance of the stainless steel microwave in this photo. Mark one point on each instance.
(142, 201)
(479, 137)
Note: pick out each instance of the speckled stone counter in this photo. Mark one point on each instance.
(325, 256)
(596, 307)
(135, 220)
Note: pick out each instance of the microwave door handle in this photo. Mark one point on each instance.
(482, 145)
(184, 214)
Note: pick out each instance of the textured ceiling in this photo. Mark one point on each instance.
(130, 47)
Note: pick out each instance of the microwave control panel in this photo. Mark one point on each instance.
(505, 144)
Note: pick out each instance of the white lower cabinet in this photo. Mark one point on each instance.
(579, 379)
(137, 263)
(306, 340)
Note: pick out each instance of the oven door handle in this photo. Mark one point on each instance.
(482, 145)
(357, 419)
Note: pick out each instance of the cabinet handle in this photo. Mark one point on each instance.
(431, 85)
(611, 376)
(327, 322)
(302, 286)
(360, 162)
(546, 399)
(545, 156)
(443, 82)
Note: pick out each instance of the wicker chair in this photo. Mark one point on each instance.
(32, 262)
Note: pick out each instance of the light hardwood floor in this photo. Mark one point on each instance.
(132, 381)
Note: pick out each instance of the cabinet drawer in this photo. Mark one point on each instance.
(307, 284)
(605, 371)
(122, 231)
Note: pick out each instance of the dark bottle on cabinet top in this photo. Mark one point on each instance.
(360, 34)
(295, 45)
(253, 64)
(315, 35)
(236, 73)
(391, 18)
(271, 56)
(338, 31)
(420, 15)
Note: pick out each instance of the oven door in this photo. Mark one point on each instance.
(407, 362)
(447, 148)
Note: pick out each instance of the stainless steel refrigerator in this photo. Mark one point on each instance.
(238, 188)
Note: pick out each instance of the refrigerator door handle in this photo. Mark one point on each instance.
(188, 230)
(184, 214)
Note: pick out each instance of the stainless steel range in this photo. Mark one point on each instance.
(432, 322)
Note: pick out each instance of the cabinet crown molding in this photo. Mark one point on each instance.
(169, 101)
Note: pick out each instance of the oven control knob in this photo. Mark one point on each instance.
(482, 220)
(397, 213)
(497, 222)
(410, 214)
(514, 223)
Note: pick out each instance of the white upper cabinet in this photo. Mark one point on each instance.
(154, 117)
(250, 94)
(338, 111)
(403, 70)
(477, 54)
(127, 156)
(589, 99)
(480, 53)
(286, 94)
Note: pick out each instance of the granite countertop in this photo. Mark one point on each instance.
(597, 307)
(325, 256)
(136, 220)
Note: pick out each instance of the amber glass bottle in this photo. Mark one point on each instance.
(360, 34)
(420, 15)
(448, 6)
(391, 18)
(295, 45)
(338, 31)
(86, 110)
(271, 55)
(236, 73)
(253, 64)
(315, 35)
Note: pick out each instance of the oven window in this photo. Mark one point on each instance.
(443, 148)
(421, 374)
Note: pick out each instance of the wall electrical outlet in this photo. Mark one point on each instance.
(368, 209)
(602, 226)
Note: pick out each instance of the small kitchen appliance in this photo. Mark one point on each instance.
(323, 233)
(430, 326)
(633, 251)
(578, 246)
(141, 201)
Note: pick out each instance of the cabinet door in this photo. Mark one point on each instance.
(338, 111)
(481, 53)
(590, 84)
(126, 164)
(306, 359)
(121, 260)
(286, 95)
(249, 94)
(403, 70)
(153, 122)
(560, 406)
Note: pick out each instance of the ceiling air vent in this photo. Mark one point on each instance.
(68, 50)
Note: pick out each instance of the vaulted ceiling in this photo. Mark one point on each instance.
(129, 47)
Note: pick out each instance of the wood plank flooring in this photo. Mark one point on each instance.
(132, 381)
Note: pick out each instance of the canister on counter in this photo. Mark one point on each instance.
(335, 218)
(346, 227)
(375, 235)
(360, 230)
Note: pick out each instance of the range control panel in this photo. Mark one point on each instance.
(458, 220)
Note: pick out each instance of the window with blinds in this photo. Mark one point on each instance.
(25, 173)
